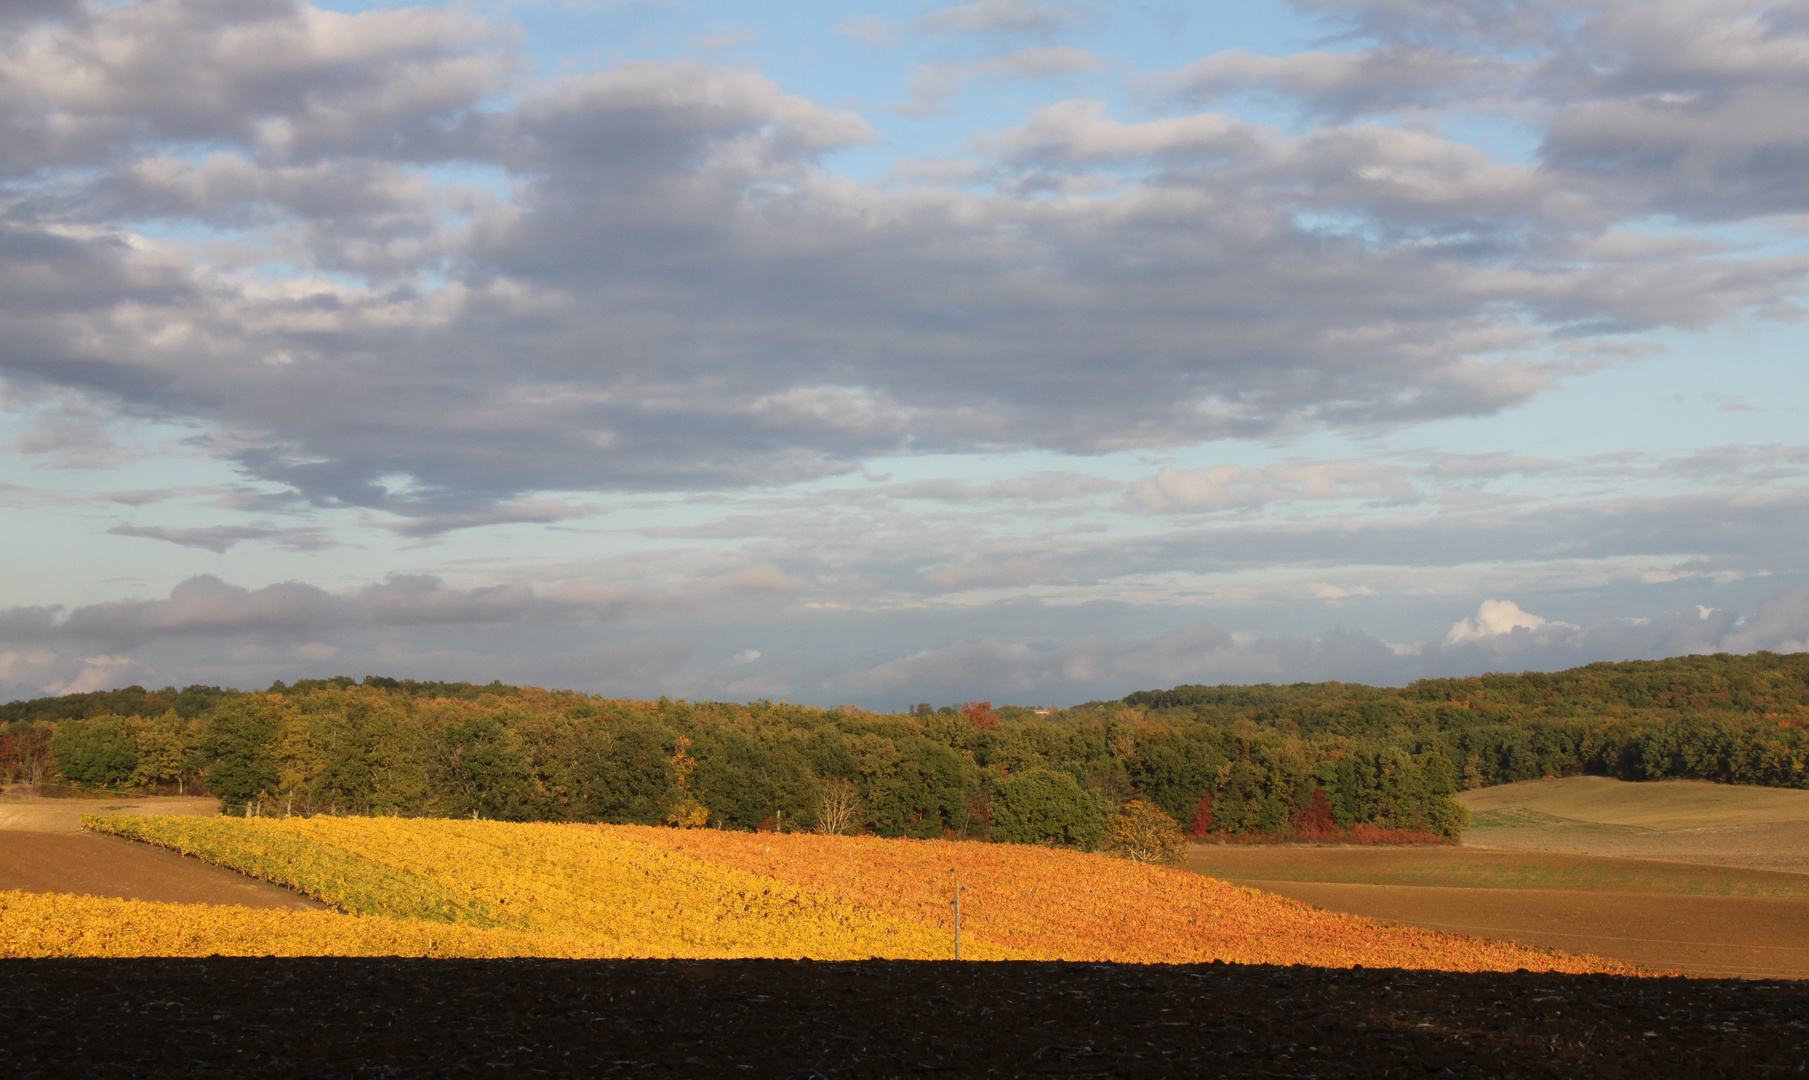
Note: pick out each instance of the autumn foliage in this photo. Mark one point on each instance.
(478, 888)
(1141, 832)
(979, 714)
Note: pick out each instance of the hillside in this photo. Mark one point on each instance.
(493, 888)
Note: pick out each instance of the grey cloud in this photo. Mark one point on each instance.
(207, 608)
(1225, 487)
(1340, 85)
(1037, 487)
(676, 296)
(292, 80)
(932, 85)
(1102, 666)
(1037, 18)
(1693, 108)
(422, 520)
(221, 538)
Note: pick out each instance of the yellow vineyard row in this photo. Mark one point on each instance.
(620, 896)
(576, 890)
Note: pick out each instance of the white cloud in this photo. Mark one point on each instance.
(97, 673)
(1493, 619)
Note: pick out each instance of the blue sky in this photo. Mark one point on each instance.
(1017, 350)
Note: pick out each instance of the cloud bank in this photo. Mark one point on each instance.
(687, 299)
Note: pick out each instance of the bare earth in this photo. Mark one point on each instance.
(864, 1020)
(1702, 935)
(42, 849)
(31, 813)
(1710, 879)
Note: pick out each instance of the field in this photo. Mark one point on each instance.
(600, 891)
(1682, 875)
(407, 1019)
(1688, 821)
(481, 947)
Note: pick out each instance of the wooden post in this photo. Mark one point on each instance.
(958, 891)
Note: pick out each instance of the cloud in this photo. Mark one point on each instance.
(1036, 487)
(932, 85)
(1339, 85)
(97, 673)
(448, 290)
(1225, 487)
(221, 538)
(1012, 18)
(205, 607)
(1494, 619)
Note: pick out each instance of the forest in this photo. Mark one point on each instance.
(1225, 762)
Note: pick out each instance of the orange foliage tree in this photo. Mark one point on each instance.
(980, 715)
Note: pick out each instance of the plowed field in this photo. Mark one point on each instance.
(773, 1018)
(91, 865)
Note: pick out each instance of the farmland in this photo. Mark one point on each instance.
(1674, 874)
(616, 891)
(236, 1017)
(1685, 821)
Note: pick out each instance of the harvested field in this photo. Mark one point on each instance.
(1671, 820)
(43, 850)
(1487, 868)
(89, 864)
(1715, 936)
(773, 1018)
(36, 813)
(1658, 804)
(1706, 920)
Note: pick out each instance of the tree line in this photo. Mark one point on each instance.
(1323, 759)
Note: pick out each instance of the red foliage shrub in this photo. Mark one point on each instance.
(1315, 821)
(1202, 817)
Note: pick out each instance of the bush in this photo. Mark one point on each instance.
(1046, 807)
(1143, 833)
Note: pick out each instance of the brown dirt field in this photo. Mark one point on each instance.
(94, 865)
(34, 813)
(405, 1019)
(43, 849)
(1783, 846)
(1704, 920)
(1717, 936)
(1469, 867)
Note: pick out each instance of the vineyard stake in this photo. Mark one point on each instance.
(959, 889)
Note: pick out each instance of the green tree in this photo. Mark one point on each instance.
(95, 752)
(1044, 806)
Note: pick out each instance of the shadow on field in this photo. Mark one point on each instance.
(775, 1018)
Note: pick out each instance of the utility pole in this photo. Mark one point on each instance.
(959, 889)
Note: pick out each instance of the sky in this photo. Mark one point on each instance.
(1031, 351)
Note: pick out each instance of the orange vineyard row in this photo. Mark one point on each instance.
(435, 887)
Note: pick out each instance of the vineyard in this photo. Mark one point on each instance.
(415, 887)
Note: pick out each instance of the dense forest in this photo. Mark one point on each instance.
(1224, 761)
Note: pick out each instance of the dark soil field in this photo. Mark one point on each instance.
(771, 1018)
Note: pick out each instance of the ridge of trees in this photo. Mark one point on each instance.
(1321, 760)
